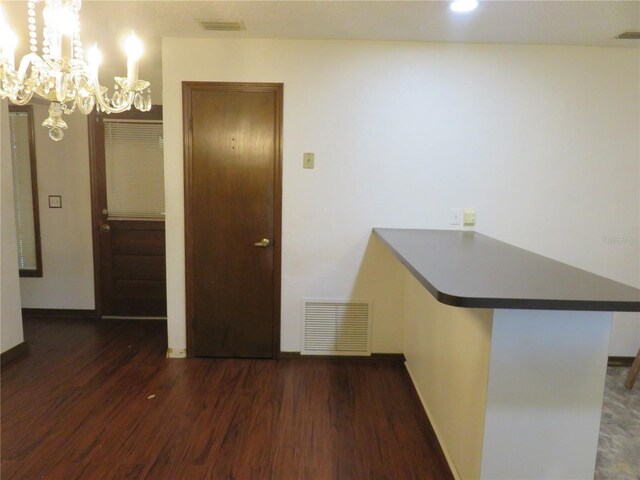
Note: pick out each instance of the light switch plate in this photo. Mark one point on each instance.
(55, 201)
(308, 160)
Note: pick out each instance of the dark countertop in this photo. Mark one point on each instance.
(468, 269)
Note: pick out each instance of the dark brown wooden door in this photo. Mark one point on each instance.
(232, 139)
(129, 243)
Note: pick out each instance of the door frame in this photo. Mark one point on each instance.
(98, 190)
(187, 121)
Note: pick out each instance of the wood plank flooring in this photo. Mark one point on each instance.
(79, 406)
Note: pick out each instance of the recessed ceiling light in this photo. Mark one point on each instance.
(463, 6)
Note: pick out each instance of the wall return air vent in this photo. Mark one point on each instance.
(336, 327)
(222, 25)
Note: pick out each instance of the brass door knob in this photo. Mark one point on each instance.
(265, 242)
(105, 227)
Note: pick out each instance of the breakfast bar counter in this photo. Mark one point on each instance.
(508, 352)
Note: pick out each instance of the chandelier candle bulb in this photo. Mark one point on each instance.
(70, 37)
(95, 59)
(8, 42)
(133, 47)
(132, 69)
(55, 46)
(11, 52)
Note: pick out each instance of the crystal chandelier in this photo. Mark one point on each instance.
(60, 74)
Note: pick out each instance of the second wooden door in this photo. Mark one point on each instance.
(232, 143)
(128, 213)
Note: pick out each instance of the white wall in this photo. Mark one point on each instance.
(11, 333)
(541, 140)
(65, 233)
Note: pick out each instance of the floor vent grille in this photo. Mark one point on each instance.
(336, 327)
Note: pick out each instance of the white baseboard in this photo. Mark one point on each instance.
(176, 353)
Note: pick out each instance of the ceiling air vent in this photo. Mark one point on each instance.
(222, 25)
(629, 36)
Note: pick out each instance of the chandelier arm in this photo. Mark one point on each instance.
(21, 101)
(28, 60)
(105, 105)
(82, 107)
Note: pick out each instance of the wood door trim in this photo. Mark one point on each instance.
(187, 90)
(98, 191)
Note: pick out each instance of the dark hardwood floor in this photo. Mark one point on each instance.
(98, 400)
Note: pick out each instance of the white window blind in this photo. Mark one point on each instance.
(134, 169)
(22, 193)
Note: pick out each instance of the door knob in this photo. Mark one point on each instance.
(105, 227)
(265, 242)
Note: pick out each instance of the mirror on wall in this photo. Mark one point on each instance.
(25, 190)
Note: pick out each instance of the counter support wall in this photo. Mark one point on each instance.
(511, 394)
(544, 399)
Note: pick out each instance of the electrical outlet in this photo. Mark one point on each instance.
(455, 217)
(469, 217)
(308, 160)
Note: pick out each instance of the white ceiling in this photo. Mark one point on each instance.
(592, 22)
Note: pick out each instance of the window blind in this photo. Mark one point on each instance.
(134, 169)
(22, 193)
